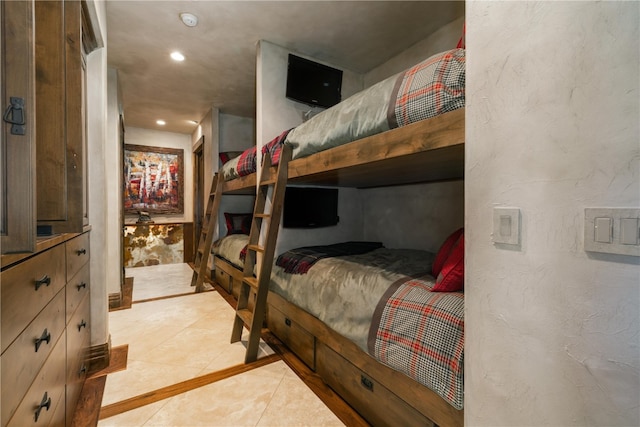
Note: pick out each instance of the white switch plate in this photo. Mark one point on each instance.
(614, 237)
(506, 226)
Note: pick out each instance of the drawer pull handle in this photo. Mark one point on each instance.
(46, 336)
(46, 280)
(287, 321)
(81, 285)
(366, 383)
(45, 403)
(82, 251)
(81, 325)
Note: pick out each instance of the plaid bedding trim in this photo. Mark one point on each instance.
(274, 147)
(421, 333)
(247, 162)
(430, 88)
(300, 260)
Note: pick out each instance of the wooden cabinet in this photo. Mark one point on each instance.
(17, 142)
(45, 314)
(43, 173)
(63, 38)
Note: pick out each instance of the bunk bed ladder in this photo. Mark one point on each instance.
(206, 235)
(252, 313)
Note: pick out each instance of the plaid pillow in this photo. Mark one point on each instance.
(247, 162)
(228, 155)
(430, 88)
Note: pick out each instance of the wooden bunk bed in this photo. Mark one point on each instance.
(428, 150)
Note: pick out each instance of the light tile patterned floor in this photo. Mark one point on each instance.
(160, 280)
(175, 339)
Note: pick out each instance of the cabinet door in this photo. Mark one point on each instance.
(17, 151)
(60, 115)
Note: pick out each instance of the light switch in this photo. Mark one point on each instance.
(506, 226)
(612, 231)
(629, 231)
(603, 230)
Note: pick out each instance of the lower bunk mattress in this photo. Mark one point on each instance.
(382, 301)
(232, 248)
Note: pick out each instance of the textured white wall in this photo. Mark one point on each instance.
(98, 185)
(275, 113)
(414, 216)
(113, 180)
(445, 38)
(236, 134)
(552, 332)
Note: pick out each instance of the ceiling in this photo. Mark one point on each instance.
(220, 52)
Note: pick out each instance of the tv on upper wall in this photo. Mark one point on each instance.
(310, 207)
(312, 83)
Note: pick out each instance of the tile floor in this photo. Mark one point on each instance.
(175, 339)
(160, 280)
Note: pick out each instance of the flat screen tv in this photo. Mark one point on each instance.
(312, 83)
(310, 207)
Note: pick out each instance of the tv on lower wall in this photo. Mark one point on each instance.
(310, 207)
(312, 83)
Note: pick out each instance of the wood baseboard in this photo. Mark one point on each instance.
(99, 357)
(122, 300)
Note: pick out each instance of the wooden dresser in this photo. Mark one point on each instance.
(45, 331)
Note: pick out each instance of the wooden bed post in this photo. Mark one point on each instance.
(245, 315)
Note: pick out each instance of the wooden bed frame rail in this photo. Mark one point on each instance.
(424, 400)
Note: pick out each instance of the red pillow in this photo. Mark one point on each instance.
(444, 251)
(238, 223)
(462, 42)
(451, 277)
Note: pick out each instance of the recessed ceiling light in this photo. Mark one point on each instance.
(161, 122)
(177, 56)
(193, 122)
(189, 19)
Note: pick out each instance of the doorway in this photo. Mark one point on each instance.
(198, 190)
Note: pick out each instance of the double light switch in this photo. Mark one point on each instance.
(612, 230)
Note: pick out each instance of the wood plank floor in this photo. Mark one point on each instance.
(90, 408)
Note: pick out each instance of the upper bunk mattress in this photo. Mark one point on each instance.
(434, 86)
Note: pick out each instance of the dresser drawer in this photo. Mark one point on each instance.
(77, 254)
(375, 403)
(78, 329)
(49, 384)
(22, 361)
(27, 288)
(223, 279)
(301, 342)
(77, 359)
(77, 290)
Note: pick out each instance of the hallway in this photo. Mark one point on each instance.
(177, 344)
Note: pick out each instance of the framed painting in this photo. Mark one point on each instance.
(153, 179)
